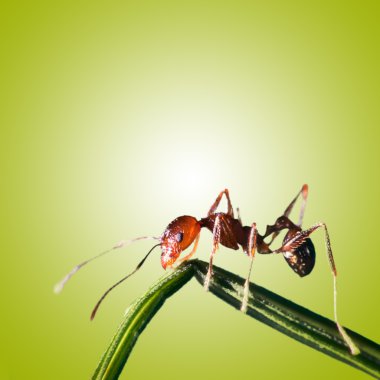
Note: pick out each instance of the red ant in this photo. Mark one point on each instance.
(296, 248)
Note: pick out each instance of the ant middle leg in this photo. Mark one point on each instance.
(238, 215)
(215, 245)
(292, 250)
(230, 210)
(251, 252)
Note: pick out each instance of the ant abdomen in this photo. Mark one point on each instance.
(302, 258)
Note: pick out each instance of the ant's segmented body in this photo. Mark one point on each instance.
(296, 248)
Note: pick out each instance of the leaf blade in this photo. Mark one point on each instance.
(136, 319)
(291, 319)
(277, 312)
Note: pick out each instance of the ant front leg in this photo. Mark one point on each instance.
(215, 245)
(292, 248)
(251, 253)
(188, 256)
(230, 210)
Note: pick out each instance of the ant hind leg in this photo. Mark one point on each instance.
(298, 240)
(304, 191)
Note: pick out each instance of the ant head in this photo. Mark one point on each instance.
(178, 235)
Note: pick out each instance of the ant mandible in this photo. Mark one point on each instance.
(296, 248)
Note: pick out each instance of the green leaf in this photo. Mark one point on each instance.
(136, 318)
(291, 319)
(283, 315)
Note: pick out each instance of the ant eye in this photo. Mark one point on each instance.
(179, 237)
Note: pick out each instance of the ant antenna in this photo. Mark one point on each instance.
(123, 243)
(120, 281)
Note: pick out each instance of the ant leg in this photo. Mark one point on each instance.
(215, 205)
(238, 215)
(298, 239)
(215, 245)
(251, 252)
(304, 191)
(187, 257)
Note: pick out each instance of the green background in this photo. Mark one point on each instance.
(116, 117)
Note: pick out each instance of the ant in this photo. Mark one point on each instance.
(297, 248)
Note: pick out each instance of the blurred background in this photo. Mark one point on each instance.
(117, 117)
